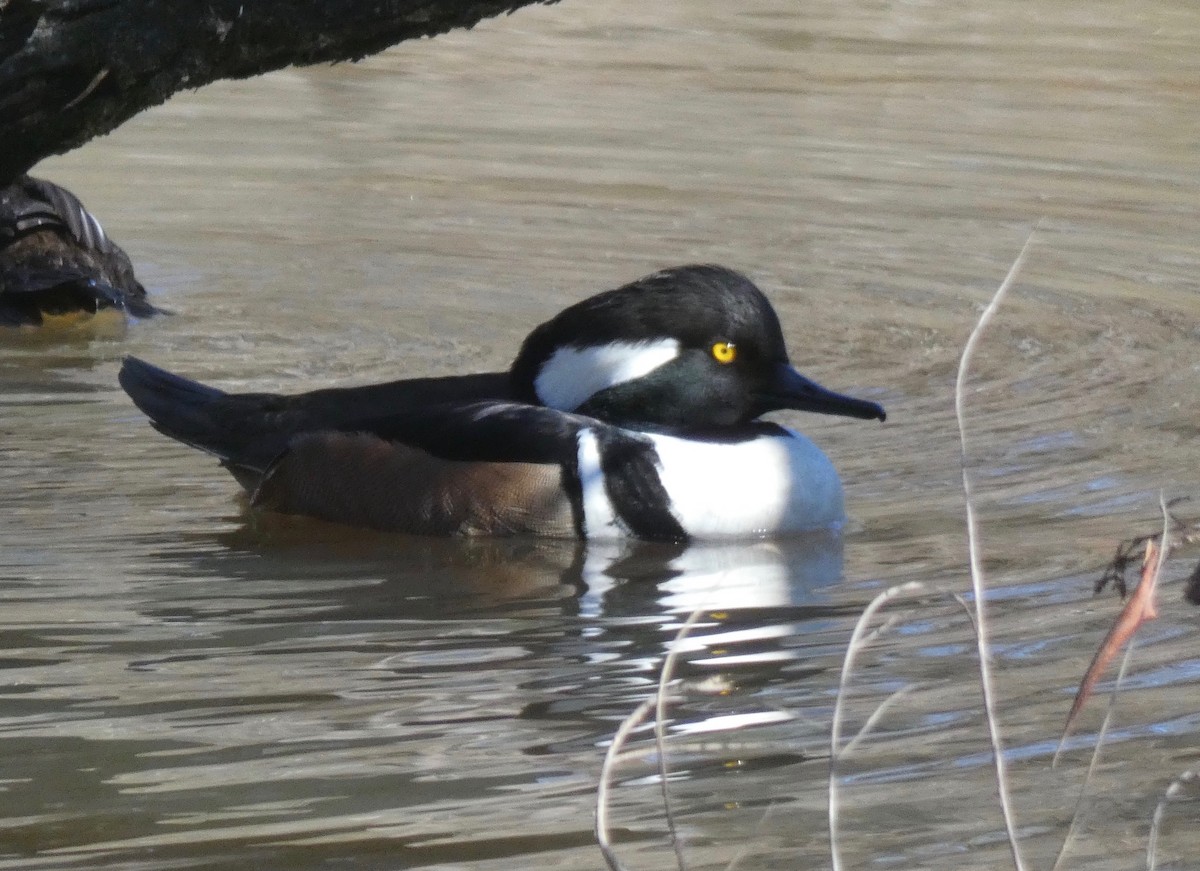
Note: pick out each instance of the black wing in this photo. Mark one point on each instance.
(251, 429)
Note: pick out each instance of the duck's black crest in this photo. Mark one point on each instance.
(691, 303)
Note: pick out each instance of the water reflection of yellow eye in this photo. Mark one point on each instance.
(724, 352)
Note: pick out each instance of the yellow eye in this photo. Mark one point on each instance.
(724, 352)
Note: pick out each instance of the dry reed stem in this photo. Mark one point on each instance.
(660, 718)
(1093, 764)
(1137, 610)
(855, 645)
(876, 715)
(610, 760)
(657, 702)
(987, 683)
(1173, 791)
(859, 640)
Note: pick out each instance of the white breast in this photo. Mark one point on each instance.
(771, 485)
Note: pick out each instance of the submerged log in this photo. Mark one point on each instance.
(71, 70)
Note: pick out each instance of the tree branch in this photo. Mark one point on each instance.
(71, 70)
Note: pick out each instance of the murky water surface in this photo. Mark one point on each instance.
(188, 688)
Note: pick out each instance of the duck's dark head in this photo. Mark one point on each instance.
(693, 347)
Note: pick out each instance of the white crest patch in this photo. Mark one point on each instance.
(573, 375)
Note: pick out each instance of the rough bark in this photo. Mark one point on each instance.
(71, 70)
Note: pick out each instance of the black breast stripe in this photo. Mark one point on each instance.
(630, 468)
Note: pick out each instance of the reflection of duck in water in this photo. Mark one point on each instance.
(761, 575)
(55, 259)
(631, 414)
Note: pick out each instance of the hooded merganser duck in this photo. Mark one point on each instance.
(631, 413)
(56, 259)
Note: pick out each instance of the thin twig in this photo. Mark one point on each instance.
(1138, 609)
(657, 702)
(1173, 791)
(1095, 762)
(610, 761)
(876, 715)
(860, 639)
(91, 86)
(977, 581)
(1134, 549)
(744, 849)
(1142, 602)
(660, 719)
(835, 730)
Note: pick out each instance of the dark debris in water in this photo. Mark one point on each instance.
(1132, 551)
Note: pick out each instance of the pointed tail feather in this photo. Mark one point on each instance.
(177, 406)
